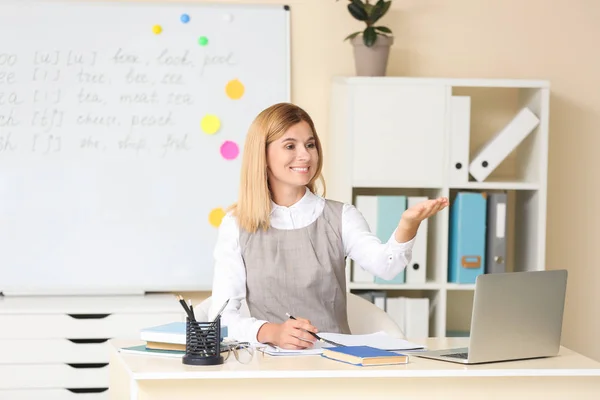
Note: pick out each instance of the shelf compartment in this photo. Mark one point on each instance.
(490, 110)
(436, 228)
(524, 231)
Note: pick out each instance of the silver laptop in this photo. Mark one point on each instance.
(516, 315)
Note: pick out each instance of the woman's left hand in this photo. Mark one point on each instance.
(423, 210)
(413, 216)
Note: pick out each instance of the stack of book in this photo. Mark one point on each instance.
(164, 340)
(165, 337)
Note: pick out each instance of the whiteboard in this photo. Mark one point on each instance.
(121, 132)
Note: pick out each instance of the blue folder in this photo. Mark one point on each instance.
(467, 237)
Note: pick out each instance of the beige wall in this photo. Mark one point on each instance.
(539, 39)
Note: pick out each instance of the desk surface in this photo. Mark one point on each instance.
(141, 367)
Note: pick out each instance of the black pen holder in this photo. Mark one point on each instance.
(203, 343)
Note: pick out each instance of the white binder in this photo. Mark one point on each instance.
(416, 270)
(396, 309)
(502, 144)
(367, 205)
(411, 315)
(416, 317)
(460, 127)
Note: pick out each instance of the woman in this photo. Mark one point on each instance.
(283, 248)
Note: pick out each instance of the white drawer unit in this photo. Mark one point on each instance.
(70, 326)
(50, 351)
(54, 394)
(49, 376)
(54, 347)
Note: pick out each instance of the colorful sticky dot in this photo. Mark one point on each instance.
(229, 150)
(234, 89)
(202, 40)
(157, 29)
(216, 216)
(185, 18)
(210, 124)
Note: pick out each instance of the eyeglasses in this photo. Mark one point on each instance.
(242, 351)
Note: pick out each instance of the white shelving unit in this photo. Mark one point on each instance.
(391, 135)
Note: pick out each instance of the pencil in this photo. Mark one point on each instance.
(317, 336)
(186, 308)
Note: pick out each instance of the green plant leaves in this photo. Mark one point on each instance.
(368, 8)
(369, 14)
(352, 35)
(357, 10)
(369, 36)
(383, 29)
(379, 10)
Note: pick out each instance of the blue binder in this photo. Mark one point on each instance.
(389, 212)
(467, 237)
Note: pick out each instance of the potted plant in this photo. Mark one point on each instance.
(371, 45)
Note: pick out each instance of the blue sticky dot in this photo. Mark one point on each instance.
(185, 18)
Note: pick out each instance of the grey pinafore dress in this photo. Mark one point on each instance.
(298, 271)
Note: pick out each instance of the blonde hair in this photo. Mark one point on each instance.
(253, 207)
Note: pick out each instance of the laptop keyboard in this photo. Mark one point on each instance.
(464, 356)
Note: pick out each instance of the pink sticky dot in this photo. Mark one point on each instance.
(229, 150)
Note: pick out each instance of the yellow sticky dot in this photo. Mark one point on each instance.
(234, 89)
(216, 216)
(157, 29)
(210, 124)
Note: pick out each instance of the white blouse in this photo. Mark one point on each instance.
(384, 260)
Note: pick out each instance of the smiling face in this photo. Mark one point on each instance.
(292, 159)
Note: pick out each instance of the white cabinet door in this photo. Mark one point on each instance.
(398, 135)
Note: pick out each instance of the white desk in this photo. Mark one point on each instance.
(569, 375)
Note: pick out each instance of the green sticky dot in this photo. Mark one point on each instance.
(202, 40)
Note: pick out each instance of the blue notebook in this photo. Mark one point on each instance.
(364, 355)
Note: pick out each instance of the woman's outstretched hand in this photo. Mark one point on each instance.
(425, 209)
(413, 216)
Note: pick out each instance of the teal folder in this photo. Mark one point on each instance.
(466, 258)
(389, 212)
(142, 349)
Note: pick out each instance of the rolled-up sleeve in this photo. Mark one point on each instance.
(382, 259)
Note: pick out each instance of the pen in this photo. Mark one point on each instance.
(220, 311)
(191, 309)
(186, 308)
(317, 336)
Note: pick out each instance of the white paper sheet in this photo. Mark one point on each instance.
(380, 340)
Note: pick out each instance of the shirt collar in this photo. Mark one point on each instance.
(307, 202)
